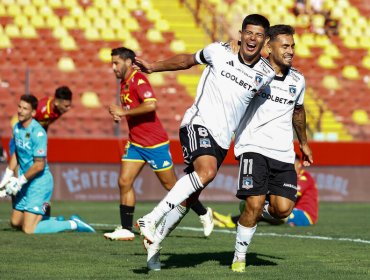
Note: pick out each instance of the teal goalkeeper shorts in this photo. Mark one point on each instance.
(158, 157)
(34, 197)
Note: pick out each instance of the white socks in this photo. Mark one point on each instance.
(243, 239)
(169, 223)
(183, 188)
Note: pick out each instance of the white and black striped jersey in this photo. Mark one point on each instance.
(267, 126)
(225, 90)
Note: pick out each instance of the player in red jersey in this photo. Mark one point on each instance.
(305, 212)
(51, 108)
(148, 142)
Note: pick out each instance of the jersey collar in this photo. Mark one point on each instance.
(131, 75)
(282, 78)
(249, 65)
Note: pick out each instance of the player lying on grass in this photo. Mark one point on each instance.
(33, 187)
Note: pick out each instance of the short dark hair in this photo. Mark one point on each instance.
(279, 29)
(256, 19)
(63, 93)
(124, 53)
(30, 99)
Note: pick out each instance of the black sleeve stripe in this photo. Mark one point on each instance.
(202, 58)
(267, 63)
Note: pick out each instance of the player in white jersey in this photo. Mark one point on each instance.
(264, 143)
(226, 87)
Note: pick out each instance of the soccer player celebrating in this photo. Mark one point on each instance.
(33, 186)
(226, 88)
(264, 144)
(148, 142)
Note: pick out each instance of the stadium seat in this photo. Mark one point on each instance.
(90, 99)
(350, 72)
(360, 117)
(66, 64)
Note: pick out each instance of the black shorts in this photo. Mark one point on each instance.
(197, 141)
(260, 175)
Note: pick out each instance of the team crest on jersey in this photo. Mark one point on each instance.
(40, 151)
(205, 143)
(258, 79)
(45, 207)
(247, 182)
(125, 88)
(28, 135)
(292, 90)
(147, 94)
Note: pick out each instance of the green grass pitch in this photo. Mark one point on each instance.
(338, 247)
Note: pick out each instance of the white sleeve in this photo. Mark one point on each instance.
(301, 94)
(208, 54)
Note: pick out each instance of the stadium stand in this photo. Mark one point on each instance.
(48, 43)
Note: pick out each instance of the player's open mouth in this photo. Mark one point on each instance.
(251, 47)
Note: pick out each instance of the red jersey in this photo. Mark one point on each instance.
(145, 130)
(45, 114)
(307, 195)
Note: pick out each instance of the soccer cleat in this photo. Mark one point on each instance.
(82, 226)
(153, 259)
(207, 221)
(224, 221)
(238, 266)
(147, 228)
(120, 234)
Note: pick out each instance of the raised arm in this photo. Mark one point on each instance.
(299, 124)
(177, 62)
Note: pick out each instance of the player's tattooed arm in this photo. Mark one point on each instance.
(177, 62)
(299, 124)
(37, 166)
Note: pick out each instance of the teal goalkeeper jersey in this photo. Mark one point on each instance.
(30, 142)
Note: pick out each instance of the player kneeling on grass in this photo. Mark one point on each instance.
(33, 187)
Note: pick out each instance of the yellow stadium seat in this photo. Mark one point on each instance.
(37, 21)
(123, 14)
(100, 23)
(162, 25)
(66, 64)
(2, 10)
(331, 82)
(90, 99)
(39, 3)
(326, 62)
(366, 62)
(84, 22)
(332, 51)
(68, 43)
(52, 21)
(303, 51)
(131, 24)
(60, 32)
(123, 34)
(45, 11)
(153, 15)
(28, 32)
(92, 13)
(55, 3)
(70, 3)
(360, 117)
(131, 43)
(303, 20)
(92, 33)
(108, 35)
(12, 30)
(21, 20)
(5, 42)
(156, 79)
(30, 10)
(322, 41)
(115, 23)
(364, 42)
(13, 10)
(105, 55)
(350, 72)
(69, 22)
(153, 35)
(107, 13)
(145, 5)
(177, 46)
(131, 5)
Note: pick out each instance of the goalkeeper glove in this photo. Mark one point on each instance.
(7, 175)
(15, 184)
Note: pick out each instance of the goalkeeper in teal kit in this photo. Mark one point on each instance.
(33, 185)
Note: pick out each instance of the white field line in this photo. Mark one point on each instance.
(227, 231)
